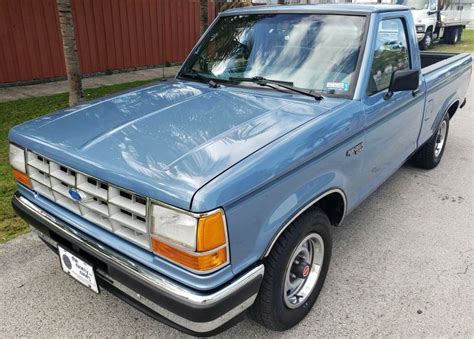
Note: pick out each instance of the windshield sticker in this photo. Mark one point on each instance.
(340, 86)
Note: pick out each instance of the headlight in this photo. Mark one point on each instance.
(17, 161)
(420, 29)
(196, 242)
(17, 158)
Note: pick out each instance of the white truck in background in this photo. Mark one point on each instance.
(438, 19)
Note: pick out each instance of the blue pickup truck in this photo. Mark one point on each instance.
(199, 198)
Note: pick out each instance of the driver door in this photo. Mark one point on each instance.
(392, 123)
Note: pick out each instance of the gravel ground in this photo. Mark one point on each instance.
(402, 266)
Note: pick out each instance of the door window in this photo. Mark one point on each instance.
(391, 54)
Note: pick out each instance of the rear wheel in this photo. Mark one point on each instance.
(430, 154)
(453, 35)
(294, 272)
(459, 34)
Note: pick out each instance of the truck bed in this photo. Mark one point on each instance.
(431, 58)
(446, 77)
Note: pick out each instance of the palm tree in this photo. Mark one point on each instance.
(204, 16)
(70, 52)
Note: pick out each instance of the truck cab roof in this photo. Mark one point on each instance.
(317, 8)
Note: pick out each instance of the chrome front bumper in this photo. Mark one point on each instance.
(192, 311)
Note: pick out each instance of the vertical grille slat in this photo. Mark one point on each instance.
(63, 174)
(39, 176)
(67, 202)
(127, 201)
(60, 186)
(119, 211)
(129, 234)
(44, 190)
(92, 186)
(38, 162)
(96, 205)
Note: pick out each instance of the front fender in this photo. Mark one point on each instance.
(256, 221)
(265, 191)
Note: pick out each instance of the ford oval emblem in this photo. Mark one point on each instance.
(74, 194)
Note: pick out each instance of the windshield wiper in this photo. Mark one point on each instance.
(192, 73)
(259, 80)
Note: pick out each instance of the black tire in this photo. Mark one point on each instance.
(460, 34)
(426, 156)
(269, 308)
(427, 40)
(448, 32)
(452, 35)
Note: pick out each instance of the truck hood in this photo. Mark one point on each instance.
(165, 141)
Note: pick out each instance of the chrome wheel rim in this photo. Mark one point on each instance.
(440, 138)
(428, 40)
(303, 269)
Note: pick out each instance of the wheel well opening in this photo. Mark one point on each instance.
(453, 109)
(334, 206)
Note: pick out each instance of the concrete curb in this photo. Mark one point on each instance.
(56, 87)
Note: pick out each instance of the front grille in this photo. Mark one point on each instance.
(119, 211)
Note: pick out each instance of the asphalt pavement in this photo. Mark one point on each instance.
(402, 266)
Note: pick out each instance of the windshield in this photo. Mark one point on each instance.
(314, 52)
(414, 4)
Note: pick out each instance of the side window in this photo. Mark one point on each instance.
(391, 54)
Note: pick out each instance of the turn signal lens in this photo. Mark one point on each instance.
(22, 178)
(195, 261)
(210, 232)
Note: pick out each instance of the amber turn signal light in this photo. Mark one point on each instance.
(210, 232)
(195, 261)
(21, 178)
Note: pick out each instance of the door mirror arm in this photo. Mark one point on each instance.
(388, 95)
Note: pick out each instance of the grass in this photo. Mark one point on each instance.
(15, 112)
(465, 45)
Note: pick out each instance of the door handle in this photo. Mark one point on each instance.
(415, 92)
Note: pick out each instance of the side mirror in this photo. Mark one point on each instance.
(403, 80)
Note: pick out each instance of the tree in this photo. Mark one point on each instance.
(204, 16)
(71, 56)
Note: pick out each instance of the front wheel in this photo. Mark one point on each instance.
(430, 154)
(294, 272)
(427, 40)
